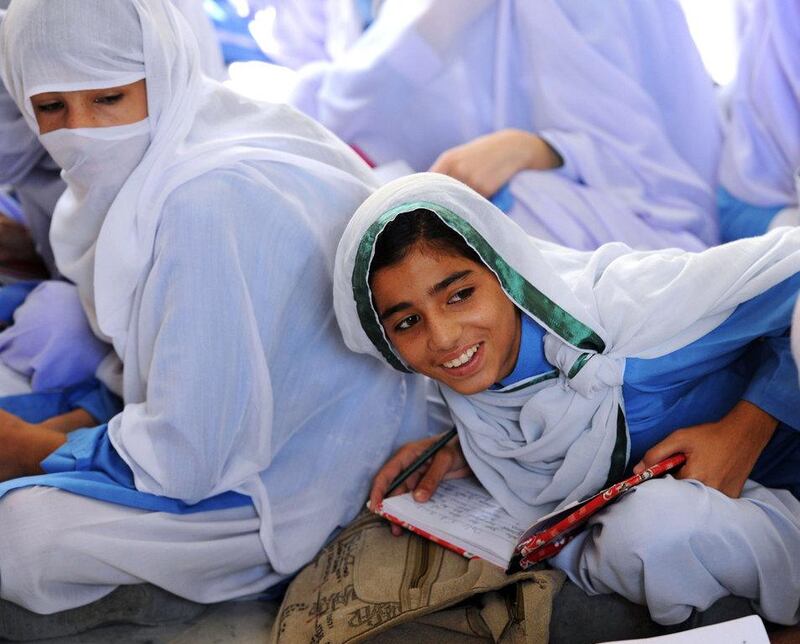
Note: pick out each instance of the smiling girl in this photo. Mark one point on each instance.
(562, 370)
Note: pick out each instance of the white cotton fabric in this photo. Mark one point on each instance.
(212, 278)
(761, 153)
(551, 444)
(617, 88)
(211, 59)
(745, 547)
(300, 32)
(93, 546)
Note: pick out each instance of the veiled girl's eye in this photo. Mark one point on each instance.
(460, 296)
(406, 323)
(49, 107)
(109, 100)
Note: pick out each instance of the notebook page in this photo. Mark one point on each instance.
(461, 512)
(745, 630)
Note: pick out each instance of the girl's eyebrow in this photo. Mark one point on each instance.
(393, 309)
(447, 281)
(433, 290)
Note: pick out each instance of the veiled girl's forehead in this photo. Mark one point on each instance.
(58, 44)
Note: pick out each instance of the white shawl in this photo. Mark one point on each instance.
(563, 437)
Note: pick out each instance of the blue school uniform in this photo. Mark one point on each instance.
(739, 219)
(747, 357)
(87, 464)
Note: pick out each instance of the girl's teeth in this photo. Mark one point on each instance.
(462, 359)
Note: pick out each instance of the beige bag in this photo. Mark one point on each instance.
(368, 584)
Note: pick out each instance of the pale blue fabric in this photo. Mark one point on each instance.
(746, 357)
(50, 341)
(87, 465)
(10, 207)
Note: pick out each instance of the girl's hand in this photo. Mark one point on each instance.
(720, 454)
(447, 463)
(487, 163)
(24, 445)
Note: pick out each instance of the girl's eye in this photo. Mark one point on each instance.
(49, 107)
(108, 100)
(406, 323)
(460, 296)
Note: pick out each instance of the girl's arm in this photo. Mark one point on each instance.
(720, 454)
(487, 163)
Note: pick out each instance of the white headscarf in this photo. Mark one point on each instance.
(761, 153)
(563, 437)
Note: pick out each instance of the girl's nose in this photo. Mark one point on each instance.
(77, 117)
(444, 333)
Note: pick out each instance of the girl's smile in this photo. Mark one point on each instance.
(448, 318)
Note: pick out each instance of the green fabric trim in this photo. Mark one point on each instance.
(522, 292)
(534, 381)
(579, 364)
(619, 455)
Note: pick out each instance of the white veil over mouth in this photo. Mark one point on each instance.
(561, 437)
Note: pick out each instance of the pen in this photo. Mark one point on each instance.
(420, 460)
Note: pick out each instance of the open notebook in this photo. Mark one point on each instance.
(463, 516)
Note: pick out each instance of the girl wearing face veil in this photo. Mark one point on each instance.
(48, 343)
(201, 240)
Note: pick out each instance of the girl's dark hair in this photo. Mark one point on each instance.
(396, 240)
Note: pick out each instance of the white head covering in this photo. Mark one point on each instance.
(194, 125)
(761, 153)
(563, 437)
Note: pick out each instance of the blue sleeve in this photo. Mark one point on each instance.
(95, 398)
(739, 219)
(503, 198)
(88, 465)
(12, 296)
(90, 450)
(774, 386)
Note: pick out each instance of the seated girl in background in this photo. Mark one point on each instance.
(537, 103)
(761, 152)
(562, 370)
